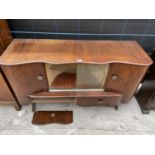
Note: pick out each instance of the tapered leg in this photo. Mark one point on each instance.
(17, 106)
(116, 107)
(33, 107)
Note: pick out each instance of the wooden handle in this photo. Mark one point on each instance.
(40, 77)
(114, 77)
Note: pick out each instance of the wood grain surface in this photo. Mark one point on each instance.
(5, 35)
(24, 64)
(49, 117)
(64, 80)
(22, 51)
(82, 98)
(128, 79)
(5, 93)
(24, 80)
(59, 94)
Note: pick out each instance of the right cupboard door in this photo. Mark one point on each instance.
(124, 78)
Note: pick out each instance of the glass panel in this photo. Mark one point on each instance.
(76, 76)
(91, 75)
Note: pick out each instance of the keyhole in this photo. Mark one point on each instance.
(100, 101)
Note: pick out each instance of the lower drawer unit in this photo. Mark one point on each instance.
(99, 101)
(80, 98)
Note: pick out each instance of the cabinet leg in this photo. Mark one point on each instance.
(145, 111)
(33, 107)
(17, 107)
(116, 107)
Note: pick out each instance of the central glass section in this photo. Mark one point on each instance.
(76, 76)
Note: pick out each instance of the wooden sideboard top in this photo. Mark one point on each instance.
(22, 51)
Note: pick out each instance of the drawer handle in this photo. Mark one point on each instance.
(100, 101)
(114, 77)
(40, 77)
(52, 115)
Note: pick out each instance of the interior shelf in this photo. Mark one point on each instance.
(64, 81)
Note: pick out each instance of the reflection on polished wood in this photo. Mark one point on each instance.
(48, 117)
(22, 51)
(5, 35)
(36, 65)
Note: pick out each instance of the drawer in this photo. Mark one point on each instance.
(99, 101)
(82, 98)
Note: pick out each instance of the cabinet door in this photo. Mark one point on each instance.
(5, 36)
(124, 78)
(26, 79)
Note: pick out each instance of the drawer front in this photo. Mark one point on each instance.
(99, 101)
(26, 79)
(124, 79)
(5, 94)
(84, 98)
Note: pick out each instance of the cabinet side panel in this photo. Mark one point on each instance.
(127, 79)
(23, 79)
(5, 94)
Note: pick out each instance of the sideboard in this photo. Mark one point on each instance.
(86, 73)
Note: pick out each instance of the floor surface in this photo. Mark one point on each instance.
(87, 120)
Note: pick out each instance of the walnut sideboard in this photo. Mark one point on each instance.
(81, 72)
